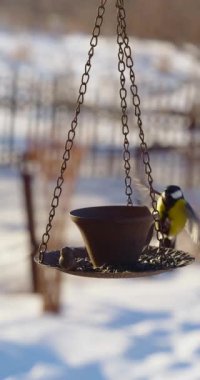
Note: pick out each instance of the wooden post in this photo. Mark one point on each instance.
(45, 282)
(27, 191)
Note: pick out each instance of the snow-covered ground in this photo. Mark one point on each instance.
(157, 64)
(144, 329)
(140, 329)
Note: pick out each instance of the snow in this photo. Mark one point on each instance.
(140, 329)
(145, 332)
(67, 54)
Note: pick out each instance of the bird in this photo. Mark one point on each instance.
(175, 214)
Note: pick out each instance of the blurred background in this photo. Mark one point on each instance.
(174, 20)
(43, 50)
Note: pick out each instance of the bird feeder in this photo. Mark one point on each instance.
(116, 238)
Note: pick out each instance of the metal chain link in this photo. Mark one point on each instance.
(71, 134)
(124, 41)
(124, 117)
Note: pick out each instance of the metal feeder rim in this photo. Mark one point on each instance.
(152, 261)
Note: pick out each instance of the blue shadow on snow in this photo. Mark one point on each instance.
(128, 318)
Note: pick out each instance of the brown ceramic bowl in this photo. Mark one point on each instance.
(113, 234)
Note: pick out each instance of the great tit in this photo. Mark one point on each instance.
(175, 215)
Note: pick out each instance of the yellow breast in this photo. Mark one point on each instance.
(177, 215)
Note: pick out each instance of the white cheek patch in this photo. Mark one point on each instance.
(177, 194)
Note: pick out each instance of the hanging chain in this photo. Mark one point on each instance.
(124, 40)
(71, 134)
(124, 117)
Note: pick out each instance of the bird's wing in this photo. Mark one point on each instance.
(193, 224)
(141, 193)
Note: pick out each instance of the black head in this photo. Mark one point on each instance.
(171, 194)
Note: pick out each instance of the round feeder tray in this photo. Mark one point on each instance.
(152, 261)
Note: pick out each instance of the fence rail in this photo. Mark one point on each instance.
(36, 112)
